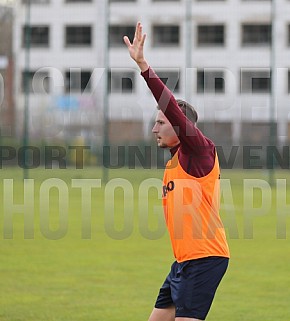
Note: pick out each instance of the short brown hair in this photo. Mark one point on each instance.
(188, 110)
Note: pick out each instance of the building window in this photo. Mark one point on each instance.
(78, 36)
(121, 81)
(210, 35)
(37, 82)
(288, 81)
(170, 79)
(166, 35)
(36, 1)
(289, 34)
(122, 0)
(77, 81)
(38, 36)
(256, 35)
(257, 82)
(75, 1)
(210, 82)
(117, 32)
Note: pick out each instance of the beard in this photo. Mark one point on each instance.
(162, 145)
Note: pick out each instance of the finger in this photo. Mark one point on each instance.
(139, 31)
(136, 30)
(127, 41)
(143, 39)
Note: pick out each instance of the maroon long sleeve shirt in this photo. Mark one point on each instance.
(196, 153)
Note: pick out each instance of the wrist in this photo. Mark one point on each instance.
(143, 65)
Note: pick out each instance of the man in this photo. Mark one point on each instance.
(190, 200)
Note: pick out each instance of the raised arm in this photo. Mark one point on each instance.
(188, 134)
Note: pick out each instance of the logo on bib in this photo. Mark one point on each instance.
(168, 188)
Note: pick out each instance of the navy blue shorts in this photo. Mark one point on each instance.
(191, 285)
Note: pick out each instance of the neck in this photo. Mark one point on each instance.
(174, 149)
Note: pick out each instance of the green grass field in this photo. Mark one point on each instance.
(89, 268)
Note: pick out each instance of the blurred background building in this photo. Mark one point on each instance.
(217, 54)
(7, 125)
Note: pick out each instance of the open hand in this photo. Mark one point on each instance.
(136, 48)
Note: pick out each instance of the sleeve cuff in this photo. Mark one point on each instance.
(149, 74)
(145, 73)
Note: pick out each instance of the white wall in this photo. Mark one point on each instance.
(231, 106)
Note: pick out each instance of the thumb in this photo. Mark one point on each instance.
(127, 41)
